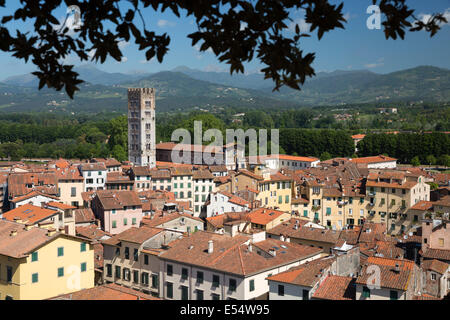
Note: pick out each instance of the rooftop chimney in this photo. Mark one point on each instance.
(13, 233)
(210, 246)
(397, 267)
(250, 248)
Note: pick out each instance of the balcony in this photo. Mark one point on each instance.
(341, 203)
(371, 204)
(372, 193)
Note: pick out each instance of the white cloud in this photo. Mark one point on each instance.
(302, 24)
(378, 63)
(162, 23)
(123, 44)
(146, 62)
(213, 68)
(425, 17)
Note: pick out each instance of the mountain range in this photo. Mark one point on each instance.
(183, 88)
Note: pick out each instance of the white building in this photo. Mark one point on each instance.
(94, 176)
(279, 161)
(141, 126)
(376, 162)
(222, 201)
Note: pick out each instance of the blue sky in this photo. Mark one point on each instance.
(354, 48)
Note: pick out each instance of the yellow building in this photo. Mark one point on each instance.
(275, 192)
(36, 263)
(391, 194)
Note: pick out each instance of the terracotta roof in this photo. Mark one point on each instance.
(71, 173)
(290, 158)
(435, 265)
(118, 199)
(358, 136)
(250, 174)
(93, 167)
(109, 291)
(135, 235)
(373, 159)
(31, 195)
(336, 288)
(29, 214)
(202, 174)
(164, 217)
(389, 277)
(92, 232)
(117, 177)
(20, 184)
(24, 242)
(232, 255)
(307, 274)
(219, 220)
(60, 205)
(306, 233)
(423, 205)
(436, 254)
(263, 216)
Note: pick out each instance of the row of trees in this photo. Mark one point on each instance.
(424, 148)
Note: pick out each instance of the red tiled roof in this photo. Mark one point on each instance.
(263, 216)
(29, 214)
(336, 288)
(435, 265)
(110, 291)
(373, 159)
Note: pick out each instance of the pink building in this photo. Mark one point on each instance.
(436, 240)
(118, 210)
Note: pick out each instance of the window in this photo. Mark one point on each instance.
(83, 246)
(215, 280)
(184, 273)
(215, 296)
(328, 210)
(144, 278)
(146, 259)
(114, 224)
(125, 221)
(135, 276)
(305, 294)
(366, 292)
(136, 254)
(199, 294)
(184, 293)
(199, 277)
(83, 267)
(169, 290)
(34, 277)
(127, 253)
(73, 191)
(441, 242)
(155, 281)
(287, 199)
(126, 274)
(280, 199)
(34, 256)
(60, 251)
(232, 285)
(280, 290)
(169, 270)
(252, 285)
(133, 221)
(433, 276)
(60, 272)
(109, 270)
(393, 295)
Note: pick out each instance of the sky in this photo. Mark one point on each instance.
(354, 48)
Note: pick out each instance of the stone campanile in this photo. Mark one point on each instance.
(141, 127)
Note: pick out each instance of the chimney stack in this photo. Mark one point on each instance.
(13, 233)
(210, 246)
(397, 267)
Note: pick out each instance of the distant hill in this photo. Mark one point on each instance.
(421, 83)
(183, 90)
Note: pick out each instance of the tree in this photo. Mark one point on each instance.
(237, 31)
(325, 156)
(119, 153)
(431, 159)
(444, 160)
(415, 161)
